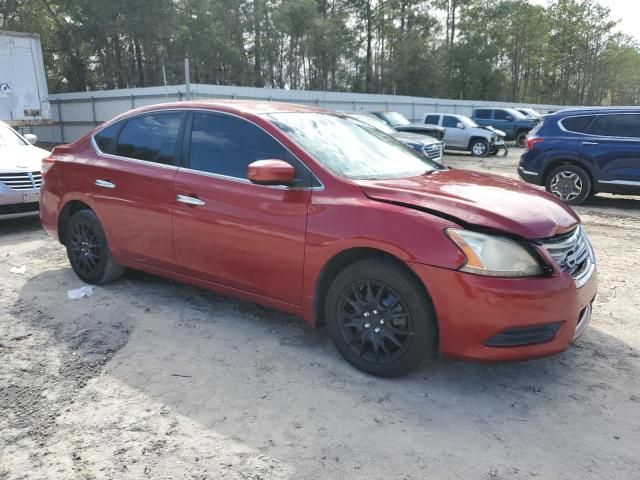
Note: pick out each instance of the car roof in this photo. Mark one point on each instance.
(256, 107)
(593, 110)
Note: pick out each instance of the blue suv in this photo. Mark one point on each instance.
(579, 152)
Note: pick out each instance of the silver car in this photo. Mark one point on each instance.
(20, 177)
(462, 133)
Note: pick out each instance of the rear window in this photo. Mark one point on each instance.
(105, 138)
(621, 125)
(153, 138)
(432, 119)
(483, 114)
(577, 124)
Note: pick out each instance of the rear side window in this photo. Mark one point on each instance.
(502, 115)
(450, 122)
(616, 126)
(483, 114)
(226, 145)
(105, 138)
(153, 137)
(432, 119)
(578, 124)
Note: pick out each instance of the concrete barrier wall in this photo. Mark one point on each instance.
(76, 113)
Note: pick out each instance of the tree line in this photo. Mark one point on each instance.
(569, 52)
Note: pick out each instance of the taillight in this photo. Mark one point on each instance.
(532, 142)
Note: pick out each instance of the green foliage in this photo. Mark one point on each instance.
(512, 50)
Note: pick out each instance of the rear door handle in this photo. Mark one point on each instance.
(590, 143)
(105, 184)
(189, 200)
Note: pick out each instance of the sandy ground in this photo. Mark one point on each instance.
(152, 379)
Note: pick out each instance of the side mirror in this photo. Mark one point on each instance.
(31, 138)
(460, 125)
(271, 172)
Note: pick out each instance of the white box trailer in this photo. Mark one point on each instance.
(24, 97)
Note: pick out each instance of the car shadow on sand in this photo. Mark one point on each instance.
(265, 379)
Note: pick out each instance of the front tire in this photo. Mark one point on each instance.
(521, 139)
(569, 183)
(88, 250)
(380, 318)
(479, 148)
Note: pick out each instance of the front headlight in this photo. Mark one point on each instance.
(494, 256)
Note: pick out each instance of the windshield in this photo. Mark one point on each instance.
(467, 122)
(372, 122)
(9, 138)
(349, 149)
(396, 119)
(515, 113)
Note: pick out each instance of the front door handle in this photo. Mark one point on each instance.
(590, 143)
(189, 200)
(104, 184)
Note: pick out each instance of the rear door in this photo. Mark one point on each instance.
(613, 144)
(454, 136)
(132, 184)
(236, 233)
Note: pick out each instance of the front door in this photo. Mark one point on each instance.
(233, 232)
(132, 184)
(454, 136)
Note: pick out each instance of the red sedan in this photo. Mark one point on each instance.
(305, 211)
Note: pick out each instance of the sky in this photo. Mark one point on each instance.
(628, 11)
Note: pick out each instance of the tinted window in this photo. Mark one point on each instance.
(502, 115)
(616, 126)
(450, 122)
(151, 137)
(483, 114)
(226, 145)
(105, 137)
(432, 119)
(577, 124)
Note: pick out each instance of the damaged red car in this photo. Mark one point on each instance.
(303, 210)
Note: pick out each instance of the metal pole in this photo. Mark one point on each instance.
(164, 77)
(187, 79)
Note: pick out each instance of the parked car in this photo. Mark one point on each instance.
(509, 120)
(402, 124)
(530, 112)
(19, 173)
(423, 144)
(303, 210)
(580, 152)
(462, 133)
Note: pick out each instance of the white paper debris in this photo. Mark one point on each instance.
(19, 270)
(86, 291)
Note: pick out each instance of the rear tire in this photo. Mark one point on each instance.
(479, 148)
(88, 250)
(380, 318)
(569, 183)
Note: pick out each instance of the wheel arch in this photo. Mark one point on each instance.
(475, 138)
(339, 262)
(69, 209)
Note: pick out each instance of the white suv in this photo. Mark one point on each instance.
(20, 176)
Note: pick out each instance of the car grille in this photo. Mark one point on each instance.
(573, 253)
(22, 180)
(19, 208)
(433, 151)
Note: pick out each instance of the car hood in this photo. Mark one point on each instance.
(21, 158)
(486, 201)
(500, 133)
(415, 138)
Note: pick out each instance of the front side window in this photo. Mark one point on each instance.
(483, 114)
(9, 138)
(616, 126)
(501, 115)
(450, 122)
(432, 119)
(152, 137)
(351, 150)
(226, 145)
